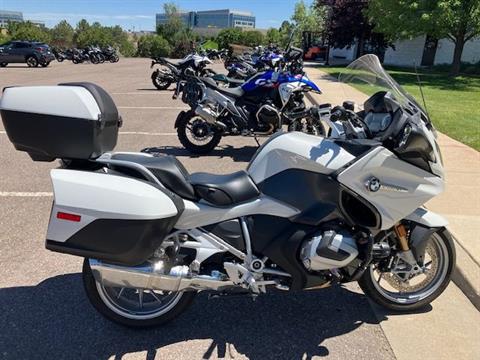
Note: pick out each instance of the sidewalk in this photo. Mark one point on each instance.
(460, 203)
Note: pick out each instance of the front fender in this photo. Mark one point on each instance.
(427, 218)
(179, 118)
(424, 224)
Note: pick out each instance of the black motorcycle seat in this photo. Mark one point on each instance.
(163, 60)
(166, 168)
(218, 190)
(223, 190)
(234, 92)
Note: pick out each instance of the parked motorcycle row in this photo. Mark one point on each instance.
(262, 92)
(92, 54)
(313, 208)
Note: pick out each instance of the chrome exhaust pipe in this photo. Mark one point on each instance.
(152, 276)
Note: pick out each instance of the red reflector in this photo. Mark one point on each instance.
(69, 217)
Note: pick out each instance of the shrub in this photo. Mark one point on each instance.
(182, 44)
(153, 46)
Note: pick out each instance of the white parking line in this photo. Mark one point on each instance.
(154, 107)
(24, 194)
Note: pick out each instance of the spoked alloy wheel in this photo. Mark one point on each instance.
(160, 81)
(134, 307)
(407, 288)
(138, 304)
(197, 135)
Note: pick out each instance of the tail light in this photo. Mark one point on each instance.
(68, 217)
(40, 49)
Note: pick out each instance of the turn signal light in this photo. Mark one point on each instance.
(69, 217)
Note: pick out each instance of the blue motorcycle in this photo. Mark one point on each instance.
(258, 107)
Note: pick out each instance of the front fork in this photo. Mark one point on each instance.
(401, 233)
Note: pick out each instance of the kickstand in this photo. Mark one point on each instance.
(256, 140)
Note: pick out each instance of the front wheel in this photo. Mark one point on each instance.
(196, 134)
(139, 308)
(402, 289)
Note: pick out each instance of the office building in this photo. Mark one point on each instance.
(10, 16)
(219, 19)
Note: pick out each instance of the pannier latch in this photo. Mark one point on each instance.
(101, 122)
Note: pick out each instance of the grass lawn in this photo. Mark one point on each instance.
(210, 44)
(453, 103)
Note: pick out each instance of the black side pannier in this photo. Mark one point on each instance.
(77, 121)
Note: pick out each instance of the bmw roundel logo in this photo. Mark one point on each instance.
(373, 184)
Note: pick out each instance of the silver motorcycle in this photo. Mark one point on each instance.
(308, 212)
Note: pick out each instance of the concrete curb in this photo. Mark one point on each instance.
(466, 274)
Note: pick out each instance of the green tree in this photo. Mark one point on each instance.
(82, 25)
(273, 36)
(457, 20)
(174, 22)
(286, 30)
(4, 38)
(227, 37)
(180, 38)
(307, 18)
(62, 34)
(153, 46)
(252, 38)
(28, 31)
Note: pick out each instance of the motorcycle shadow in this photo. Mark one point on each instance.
(54, 320)
(242, 154)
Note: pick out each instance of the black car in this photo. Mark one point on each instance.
(31, 53)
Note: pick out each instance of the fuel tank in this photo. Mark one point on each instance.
(297, 150)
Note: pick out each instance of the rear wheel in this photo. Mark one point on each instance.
(403, 289)
(159, 81)
(3, 64)
(196, 134)
(32, 61)
(134, 307)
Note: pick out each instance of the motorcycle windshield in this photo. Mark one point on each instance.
(367, 75)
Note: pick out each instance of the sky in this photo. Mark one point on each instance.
(140, 14)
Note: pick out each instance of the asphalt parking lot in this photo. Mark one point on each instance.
(44, 313)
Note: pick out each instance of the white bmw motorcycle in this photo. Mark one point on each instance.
(307, 213)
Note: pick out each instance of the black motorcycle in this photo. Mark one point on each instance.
(59, 54)
(171, 72)
(110, 54)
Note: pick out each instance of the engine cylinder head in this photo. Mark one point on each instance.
(328, 250)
